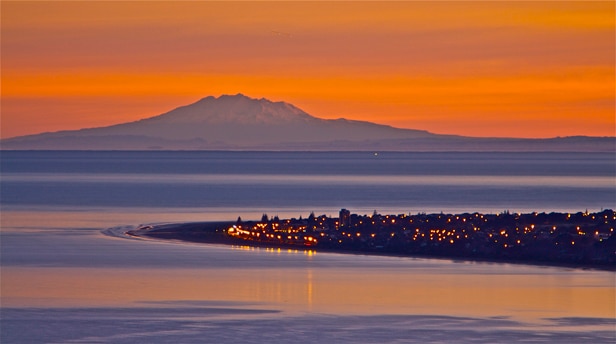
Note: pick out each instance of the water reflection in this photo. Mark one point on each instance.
(324, 290)
(313, 179)
(309, 289)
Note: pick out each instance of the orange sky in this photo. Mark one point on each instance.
(516, 69)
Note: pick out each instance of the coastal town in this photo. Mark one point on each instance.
(564, 238)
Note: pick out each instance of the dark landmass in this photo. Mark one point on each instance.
(582, 239)
(237, 122)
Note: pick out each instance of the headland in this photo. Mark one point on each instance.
(580, 239)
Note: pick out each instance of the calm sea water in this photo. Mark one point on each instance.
(64, 281)
(293, 183)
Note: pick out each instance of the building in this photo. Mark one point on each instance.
(344, 218)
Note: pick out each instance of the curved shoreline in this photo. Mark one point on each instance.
(213, 233)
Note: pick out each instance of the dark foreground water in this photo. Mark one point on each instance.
(64, 281)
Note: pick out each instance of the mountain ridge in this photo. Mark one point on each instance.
(238, 122)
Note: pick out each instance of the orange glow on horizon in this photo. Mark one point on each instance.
(502, 69)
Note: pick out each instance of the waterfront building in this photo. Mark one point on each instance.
(344, 218)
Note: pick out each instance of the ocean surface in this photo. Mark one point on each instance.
(67, 276)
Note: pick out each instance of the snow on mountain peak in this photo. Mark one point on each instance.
(237, 109)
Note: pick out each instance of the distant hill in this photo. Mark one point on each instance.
(237, 122)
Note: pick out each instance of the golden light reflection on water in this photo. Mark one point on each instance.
(277, 250)
(323, 290)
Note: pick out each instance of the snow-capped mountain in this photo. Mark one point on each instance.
(240, 122)
(237, 109)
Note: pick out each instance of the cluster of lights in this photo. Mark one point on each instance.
(239, 232)
(288, 232)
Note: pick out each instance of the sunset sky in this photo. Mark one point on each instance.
(514, 69)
